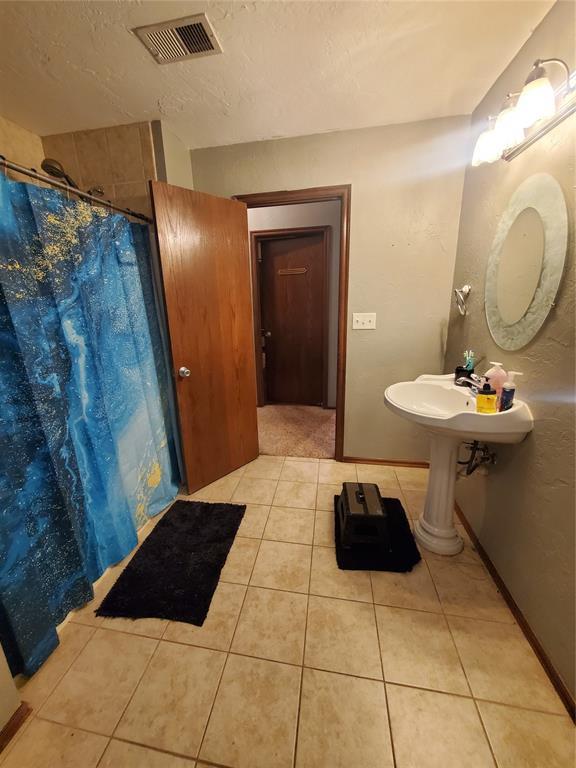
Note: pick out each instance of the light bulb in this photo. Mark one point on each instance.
(508, 128)
(536, 102)
(487, 149)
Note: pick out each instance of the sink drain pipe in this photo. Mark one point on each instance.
(480, 455)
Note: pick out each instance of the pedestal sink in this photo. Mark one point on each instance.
(448, 413)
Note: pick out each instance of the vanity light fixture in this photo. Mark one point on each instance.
(538, 109)
(509, 128)
(488, 149)
(538, 100)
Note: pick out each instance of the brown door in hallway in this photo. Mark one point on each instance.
(293, 301)
(204, 253)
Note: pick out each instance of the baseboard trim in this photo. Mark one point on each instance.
(555, 679)
(386, 462)
(14, 724)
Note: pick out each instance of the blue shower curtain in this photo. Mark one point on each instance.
(86, 453)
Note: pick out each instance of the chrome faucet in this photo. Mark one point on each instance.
(473, 381)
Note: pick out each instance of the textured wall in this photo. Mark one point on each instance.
(173, 161)
(406, 193)
(118, 159)
(523, 511)
(312, 215)
(20, 146)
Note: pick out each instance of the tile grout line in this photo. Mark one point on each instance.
(115, 738)
(347, 674)
(320, 669)
(449, 614)
(99, 761)
(355, 600)
(317, 669)
(298, 713)
(468, 683)
(388, 716)
(473, 698)
(124, 740)
(484, 731)
(463, 669)
(146, 666)
(247, 585)
(213, 701)
(447, 623)
(57, 683)
(228, 652)
(266, 504)
(73, 727)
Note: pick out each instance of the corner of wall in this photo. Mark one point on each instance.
(173, 158)
(20, 145)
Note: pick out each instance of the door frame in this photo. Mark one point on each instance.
(257, 237)
(342, 193)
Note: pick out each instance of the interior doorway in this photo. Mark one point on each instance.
(290, 285)
(300, 317)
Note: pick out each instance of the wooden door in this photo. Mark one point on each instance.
(293, 288)
(203, 246)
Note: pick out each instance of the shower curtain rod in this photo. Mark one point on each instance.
(67, 188)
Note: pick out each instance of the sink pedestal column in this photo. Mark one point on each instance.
(435, 529)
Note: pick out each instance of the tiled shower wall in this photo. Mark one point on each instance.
(20, 146)
(118, 159)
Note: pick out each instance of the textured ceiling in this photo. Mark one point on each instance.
(288, 68)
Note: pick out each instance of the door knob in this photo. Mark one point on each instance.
(184, 372)
(266, 334)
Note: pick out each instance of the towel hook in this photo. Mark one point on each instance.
(461, 297)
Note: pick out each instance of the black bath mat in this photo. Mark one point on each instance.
(175, 572)
(403, 554)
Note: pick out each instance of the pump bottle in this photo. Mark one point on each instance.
(508, 391)
(497, 377)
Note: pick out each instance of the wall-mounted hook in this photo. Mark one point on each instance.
(461, 297)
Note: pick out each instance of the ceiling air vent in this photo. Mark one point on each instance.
(180, 39)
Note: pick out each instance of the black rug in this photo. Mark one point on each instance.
(175, 572)
(403, 554)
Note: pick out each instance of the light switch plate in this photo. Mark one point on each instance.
(363, 321)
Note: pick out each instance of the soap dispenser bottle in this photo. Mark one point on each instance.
(486, 400)
(497, 377)
(508, 391)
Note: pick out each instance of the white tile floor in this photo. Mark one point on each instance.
(301, 664)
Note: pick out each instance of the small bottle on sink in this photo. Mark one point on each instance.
(487, 399)
(497, 377)
(508, 391)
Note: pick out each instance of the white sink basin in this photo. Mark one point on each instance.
(449, 414)
(436, 403)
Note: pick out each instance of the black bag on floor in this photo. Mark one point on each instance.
(372, 533)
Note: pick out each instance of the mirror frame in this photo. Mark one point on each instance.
(543, 193)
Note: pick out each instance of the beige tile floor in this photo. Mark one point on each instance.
(300, 664)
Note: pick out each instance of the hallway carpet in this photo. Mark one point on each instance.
(297, 430)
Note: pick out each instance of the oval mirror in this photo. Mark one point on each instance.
(526, 261)
(520, 265)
